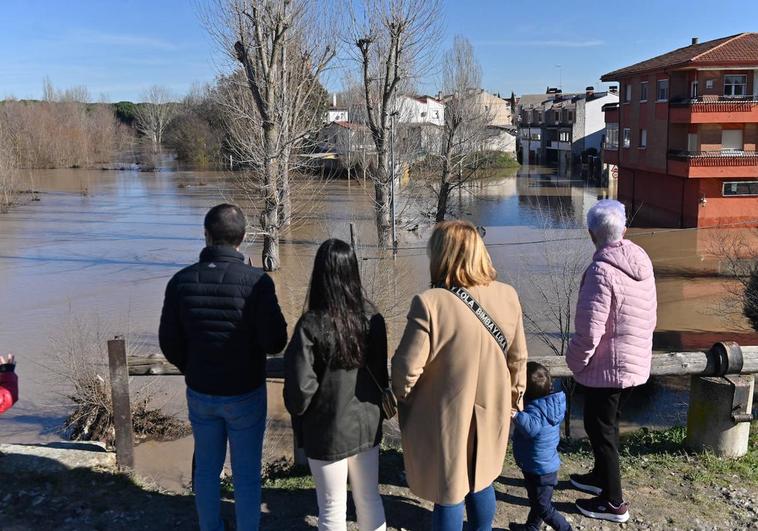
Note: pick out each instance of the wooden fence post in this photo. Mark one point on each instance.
(122, 411)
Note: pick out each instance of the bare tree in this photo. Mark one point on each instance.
(464, 133)
(550, 290)
(737, 252)
(7, 169)
(155, 113)
(283, 47)
(393, 41)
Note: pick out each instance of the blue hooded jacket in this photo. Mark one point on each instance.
(537, 434)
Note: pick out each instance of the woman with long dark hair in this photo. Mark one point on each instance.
(335, 371)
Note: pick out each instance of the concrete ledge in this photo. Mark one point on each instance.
(54, 457)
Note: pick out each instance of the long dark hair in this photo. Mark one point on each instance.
(336, 294)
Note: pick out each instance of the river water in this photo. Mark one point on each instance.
(92, 257)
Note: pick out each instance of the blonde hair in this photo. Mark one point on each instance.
(458, 257)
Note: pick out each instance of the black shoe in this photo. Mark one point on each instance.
(586, 483)
(601, 509)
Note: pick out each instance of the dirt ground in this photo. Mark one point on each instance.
(667, 487)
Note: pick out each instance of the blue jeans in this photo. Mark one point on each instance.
(240, 419)
(540, 492)
(480, 509)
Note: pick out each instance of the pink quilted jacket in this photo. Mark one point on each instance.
(615, 318)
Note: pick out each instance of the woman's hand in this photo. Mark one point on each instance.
(10, 360)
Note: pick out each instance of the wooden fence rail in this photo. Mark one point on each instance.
(694, 363)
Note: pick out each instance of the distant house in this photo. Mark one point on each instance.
(500, 138)
(336, 113)
(561, 127)
(420, 110)
(345, 139)
(499, 108)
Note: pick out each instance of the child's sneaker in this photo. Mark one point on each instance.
(586, 483)
(600, 509)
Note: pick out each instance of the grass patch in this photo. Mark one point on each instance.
(653, 454)
(496, 160)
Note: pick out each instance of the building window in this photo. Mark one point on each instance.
(643, 138)
(612, 136)
(731, 140)
(709, 83)
(735, 86)
(627, 137)
(627, 92)
(662, 90)
(736, 188)
(564, 136)
(643, 91)
(571, 116)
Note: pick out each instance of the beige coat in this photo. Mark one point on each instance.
(456, 390)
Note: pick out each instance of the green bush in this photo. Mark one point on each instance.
(125, 112)
(495, 160)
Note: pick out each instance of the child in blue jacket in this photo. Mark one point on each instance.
(535, 446)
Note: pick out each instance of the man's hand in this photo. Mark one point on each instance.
(10, 360)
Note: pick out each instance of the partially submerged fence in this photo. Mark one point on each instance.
(718, 419)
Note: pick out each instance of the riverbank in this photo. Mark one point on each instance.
(668, 488)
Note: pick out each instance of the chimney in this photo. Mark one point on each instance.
(613, 90)
(695, 40)
(589, 92)
(334, 100)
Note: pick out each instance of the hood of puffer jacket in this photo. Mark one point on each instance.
(627, 257)
(552, 406)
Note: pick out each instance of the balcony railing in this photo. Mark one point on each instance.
(717, 103)
(716, 158)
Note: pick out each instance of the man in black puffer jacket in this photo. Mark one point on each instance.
(220, 318)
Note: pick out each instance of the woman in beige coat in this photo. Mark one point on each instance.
(455, 384)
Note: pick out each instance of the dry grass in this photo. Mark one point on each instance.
(80, 364)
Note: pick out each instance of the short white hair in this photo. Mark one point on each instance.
(607, 221)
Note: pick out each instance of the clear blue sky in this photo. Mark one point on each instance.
(119, 48)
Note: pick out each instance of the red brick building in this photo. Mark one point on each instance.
(684, 135)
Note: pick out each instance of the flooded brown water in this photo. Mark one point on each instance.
(100, 246)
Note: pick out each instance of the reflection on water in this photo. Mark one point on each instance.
(103, 244)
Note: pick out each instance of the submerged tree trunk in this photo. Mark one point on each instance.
(382, 196)
(285, 197)
(270, 214)
(382, 206)
(444, 192)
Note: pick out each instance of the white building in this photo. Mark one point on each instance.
(420, 110)
(336, 114)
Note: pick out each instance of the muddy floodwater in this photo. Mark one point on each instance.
(92, 257)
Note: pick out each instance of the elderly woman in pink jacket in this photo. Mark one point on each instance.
(611, 350)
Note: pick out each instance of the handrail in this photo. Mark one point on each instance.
(716, 100)
(702, 363)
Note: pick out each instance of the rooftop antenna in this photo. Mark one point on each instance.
(560, 76)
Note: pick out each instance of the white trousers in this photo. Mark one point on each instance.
(331, 491)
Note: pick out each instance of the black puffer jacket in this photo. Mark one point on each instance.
(336, 412)
(220, 318)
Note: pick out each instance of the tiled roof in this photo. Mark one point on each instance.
(740, 49)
